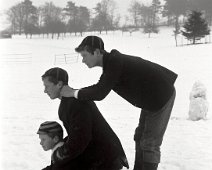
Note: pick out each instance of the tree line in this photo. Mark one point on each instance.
(51, 20)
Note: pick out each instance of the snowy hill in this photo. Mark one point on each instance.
(186, 145)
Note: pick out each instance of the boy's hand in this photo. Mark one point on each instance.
(67, 91)
(58, 155)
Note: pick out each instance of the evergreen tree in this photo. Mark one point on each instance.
(195, 27)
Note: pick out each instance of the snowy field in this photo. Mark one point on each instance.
(187, 144)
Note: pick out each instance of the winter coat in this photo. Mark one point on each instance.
(91, 143)
(144, 84)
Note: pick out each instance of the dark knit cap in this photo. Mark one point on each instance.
(58, 74)
(93, 42)
(50, 127)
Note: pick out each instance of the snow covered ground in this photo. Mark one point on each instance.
(187, 145)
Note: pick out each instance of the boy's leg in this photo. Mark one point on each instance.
(137, 138)
(139, 161)
(150, 166)
(138, 157)
(153, 129)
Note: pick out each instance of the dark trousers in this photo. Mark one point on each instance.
(149, 136)
(140, 164)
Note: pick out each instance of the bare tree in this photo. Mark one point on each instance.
(83, 20)
(104, 18)
(152, 17)
(78, 18)
(175, 8)
(16, 16)
(145, 12)
(134, 11)
(71, 11)
(22, 17)
(50, 16)
(30, 18)
(12, 19)
(156, 9)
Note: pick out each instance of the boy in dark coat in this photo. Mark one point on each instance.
(91, 143)
(144, 84)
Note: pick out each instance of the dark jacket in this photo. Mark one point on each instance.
(91, 143)
(144, 84)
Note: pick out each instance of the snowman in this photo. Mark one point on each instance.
(198, 106)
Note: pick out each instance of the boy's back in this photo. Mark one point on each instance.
(90, 138)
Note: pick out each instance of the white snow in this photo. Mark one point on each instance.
(187, 144)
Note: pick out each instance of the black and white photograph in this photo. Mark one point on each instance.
(106, 84)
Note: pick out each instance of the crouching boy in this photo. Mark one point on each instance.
(51, 137)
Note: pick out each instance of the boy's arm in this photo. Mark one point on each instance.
(80, 134)
(109, 79)
(99, 91)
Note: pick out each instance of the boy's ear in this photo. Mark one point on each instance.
(97, 51)
(60, 84)
(56, 139)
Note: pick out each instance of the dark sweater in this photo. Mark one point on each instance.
(91, 141)
(144, 84)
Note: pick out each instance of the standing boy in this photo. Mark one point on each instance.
(91, 143)
(144, 84)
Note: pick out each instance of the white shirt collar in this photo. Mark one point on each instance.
(59, 144)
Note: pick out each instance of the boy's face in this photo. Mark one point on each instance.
(46, 142)
(89, 59)
(53, 90)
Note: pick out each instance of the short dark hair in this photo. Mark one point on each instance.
(54, 134)
(55, 75)
(91, 50)
(90, 44)
(51, 128)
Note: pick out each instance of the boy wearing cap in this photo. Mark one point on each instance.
(91, 143)
(51, 137)
(142, 83)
